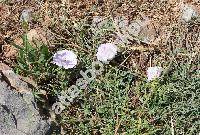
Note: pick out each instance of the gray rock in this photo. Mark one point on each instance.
(188, 13)
(18, 112)
(138, 30)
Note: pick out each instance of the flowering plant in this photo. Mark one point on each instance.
(65, 58)
(106, 52)
(153, 73)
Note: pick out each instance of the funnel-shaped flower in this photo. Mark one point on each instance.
(153, 72)
(106, 52)
(65, 58)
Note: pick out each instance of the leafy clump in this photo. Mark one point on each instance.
(32, 61)
(35, 62)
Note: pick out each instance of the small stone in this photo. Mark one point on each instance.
(135, 28)
(188, 13)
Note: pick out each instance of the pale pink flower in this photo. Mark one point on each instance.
(153, 73)
(65, 58)
(106, 52)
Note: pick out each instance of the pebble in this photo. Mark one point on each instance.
(188, 13)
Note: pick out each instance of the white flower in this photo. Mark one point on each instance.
(153, 72)
(106, 52)
(65, 58)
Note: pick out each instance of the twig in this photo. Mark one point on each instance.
(172, 126)
(117, 126)
(125, 59)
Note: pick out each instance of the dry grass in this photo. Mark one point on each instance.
(55, 18)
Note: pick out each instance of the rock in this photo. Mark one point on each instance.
(15, 81)
(18, 112)
(140, 30)
(4, 67)
(188, 12)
